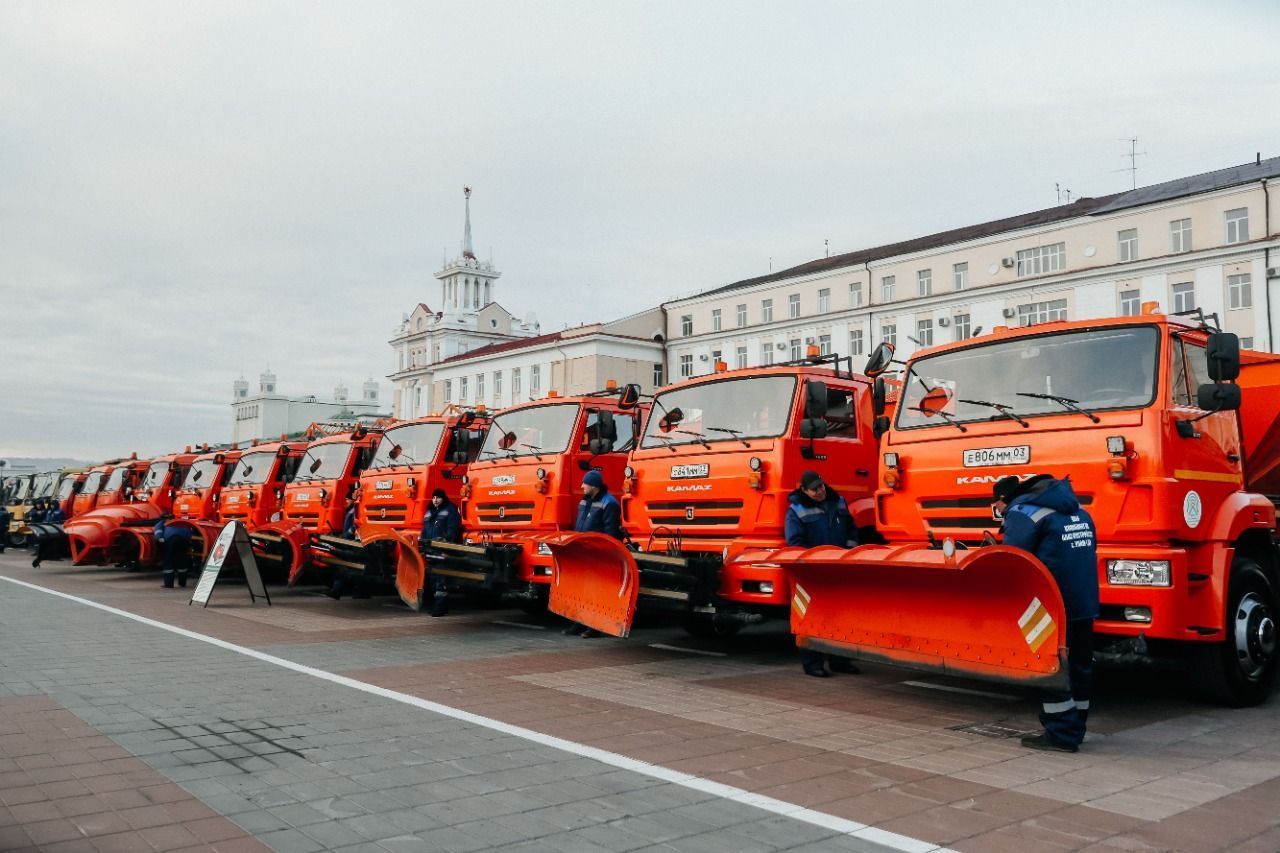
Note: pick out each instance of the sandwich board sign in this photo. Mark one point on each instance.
(232, 540)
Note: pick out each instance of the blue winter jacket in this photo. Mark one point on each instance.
(810, 524)
(55, 515)
(600, 515)
(1049, 522)
(443, 523)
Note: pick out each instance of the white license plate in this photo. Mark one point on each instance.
(382, 485)
(504, 480)
(983, 456)
(688, 472)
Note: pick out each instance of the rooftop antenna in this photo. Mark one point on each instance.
(771, 263)
(1133, 156)
(826, 247)
(1062, 193)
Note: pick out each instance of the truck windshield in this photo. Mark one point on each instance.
(116, 478)
(529, 432)
(253, 468)
(24, 489)
(201, 475)
(155, 475)
(727, 410)
(67, 488)
(92, 483)
(417, 442)
(44, 485)
(324, 462)
(1093, 370)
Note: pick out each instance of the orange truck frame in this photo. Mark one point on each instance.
(253, 493)
(523, 489)
(709, 480)
(196, 496)
(1180, 475)
(315, 497)
(412, 460)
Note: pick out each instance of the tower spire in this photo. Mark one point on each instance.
(467, 251)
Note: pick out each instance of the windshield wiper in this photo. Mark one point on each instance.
(1066, 402)
(736, 433)
(946, 416)
(1004, 410)
(702, 439)
(535, 448)
(666, 442)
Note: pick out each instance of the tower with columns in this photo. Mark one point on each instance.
(466, 283)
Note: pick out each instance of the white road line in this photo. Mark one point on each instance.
(947, 688)
(686, 651)
(686, 780)
(519, 625)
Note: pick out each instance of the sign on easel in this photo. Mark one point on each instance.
(233, 539)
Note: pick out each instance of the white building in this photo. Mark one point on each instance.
(469, 318)
(268, 414)
(1207, 241)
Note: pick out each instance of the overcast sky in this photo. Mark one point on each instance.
(189, 191)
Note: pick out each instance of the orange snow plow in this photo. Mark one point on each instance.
(601, 588)
(991, 613)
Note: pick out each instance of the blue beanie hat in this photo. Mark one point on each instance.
(593, 478)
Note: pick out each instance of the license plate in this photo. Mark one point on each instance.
(504, 480)
(689, 472)
(382, 485)
(983, 456)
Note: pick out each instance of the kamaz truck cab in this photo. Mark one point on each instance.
(1177, 468)
(709, 480)
(524, 487)
(412, 460)
(254, 493)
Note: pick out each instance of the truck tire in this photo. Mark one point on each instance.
(710, 627)
(1240, 671)
(17, 540)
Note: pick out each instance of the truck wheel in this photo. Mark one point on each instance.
(710, 627)
(1241, 670)
(17, 540)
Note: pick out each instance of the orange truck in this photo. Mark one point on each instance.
(69, 486)
(316, 496)
(523, 489)
(709, 480)
(254, 492)
(193, 498)
(1171, 438)
(412, 460)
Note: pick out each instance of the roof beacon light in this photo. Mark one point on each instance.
(813, 351)
(1150, 308)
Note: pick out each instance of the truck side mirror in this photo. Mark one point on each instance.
(880, 426)
(606, 426)
(1219, 397)
(629, 396)
(879, 397)
(466, 419)
(813, 428)
(815, 400)
(1223, 351)
(671, 420)
(880, 359)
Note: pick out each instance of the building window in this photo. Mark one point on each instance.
(887, 286)
(963, 329)
(824, 300)
(924, 332)
(479, 387)
(1184, 296)
(686, 325)
(740, 357)
(1237, 225)
(497, 385)
(1042, 259)
(793, 301)
(462, 390)
(1180, 235)
(766, 353)
(855, 294)
(1042, 312)
(1130, 303)
(889, 333)
(924, 282)
(515, 384)
(959, 276)
(448, 391)
(1127, 245)
(535, 379)
(1239, 291)
(715, 320)
(686, 366)
(855, 342)
(742, 315)
(658, 374)
(1246, 343)
(766, 311)
(715, 358)
(796, 351)
(824, 344)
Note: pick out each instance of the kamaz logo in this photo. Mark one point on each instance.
(688, 513)
(502, 512)
(989, 479)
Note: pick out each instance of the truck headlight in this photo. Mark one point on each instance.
(1138, 572)
(544, 550)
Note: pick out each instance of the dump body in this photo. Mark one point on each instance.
(711, 477)
(525, 486)
(412, 459)
(1113, 405)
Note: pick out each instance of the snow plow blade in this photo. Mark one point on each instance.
(283, 544)
(595, 581)
(94, 538)
(991, 613)
(379, 554)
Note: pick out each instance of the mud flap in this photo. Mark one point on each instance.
(991, 613)
(595, 581)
